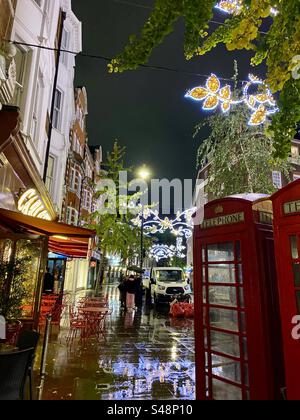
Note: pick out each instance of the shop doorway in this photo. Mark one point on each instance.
(57, 267)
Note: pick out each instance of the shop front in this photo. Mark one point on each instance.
(286, 205)
(25, 242)
(237, 324)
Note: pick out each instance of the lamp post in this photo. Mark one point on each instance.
(144, 174)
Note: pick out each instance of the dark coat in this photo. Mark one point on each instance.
(131, 286)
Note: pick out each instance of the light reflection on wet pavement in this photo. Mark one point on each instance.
(144, 356)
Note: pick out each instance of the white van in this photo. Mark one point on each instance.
(165, 282)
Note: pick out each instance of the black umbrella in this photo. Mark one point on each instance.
(135, 269)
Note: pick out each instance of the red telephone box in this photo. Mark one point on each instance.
(237, 323)
(286, 205)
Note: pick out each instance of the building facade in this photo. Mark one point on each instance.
(82, 172)
(30, 94)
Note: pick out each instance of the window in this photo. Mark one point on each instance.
(57, 110)
(35, 116)
(50, 173)
(80, 118)
(75, 181)
(22, 59)
(77, 148)
(295, 152)
(38, 2)
(88, 171)
(72, 216)
(87, 200)
(65, 46)
(277, 179)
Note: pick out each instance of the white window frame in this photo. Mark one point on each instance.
(87, 200)
(277, 179)
(75, 181)
(57, 115)
(72, 216)
(65, 46)
(51, 176)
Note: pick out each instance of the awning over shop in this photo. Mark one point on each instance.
(67, 240)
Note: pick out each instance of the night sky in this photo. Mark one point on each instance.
(145, 109)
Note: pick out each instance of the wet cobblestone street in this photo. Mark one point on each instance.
(145, 355)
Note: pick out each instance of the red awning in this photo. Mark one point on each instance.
(67, 240)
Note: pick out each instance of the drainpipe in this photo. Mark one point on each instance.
(50, 129)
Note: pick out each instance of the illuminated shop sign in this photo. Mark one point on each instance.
(31, 204)
(230, 219)
(292, 207)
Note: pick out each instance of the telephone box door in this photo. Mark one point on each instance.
(224, 320)
(289, 284)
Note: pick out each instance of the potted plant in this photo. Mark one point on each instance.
(13, 292)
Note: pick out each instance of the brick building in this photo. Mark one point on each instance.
(82, 171)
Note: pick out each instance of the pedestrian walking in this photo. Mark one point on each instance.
(48, 282)
(130, 288)
(139, 292)
(122, 290)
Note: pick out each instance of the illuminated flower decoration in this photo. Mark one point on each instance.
(137, 222)
(212, 94)
(261, 103)
(232, 7)
(166, 224)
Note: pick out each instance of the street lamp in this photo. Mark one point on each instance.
(143, 174)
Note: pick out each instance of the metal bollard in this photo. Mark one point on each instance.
(45, 345)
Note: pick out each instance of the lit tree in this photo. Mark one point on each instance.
(240, 156)
(116, 234)
(278, 46)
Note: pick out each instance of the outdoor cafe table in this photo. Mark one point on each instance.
(94, 310)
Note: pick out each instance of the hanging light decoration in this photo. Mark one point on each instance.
(181, 226)
(230, 6)
(261, 103)
(162, 252)
(234, 7)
